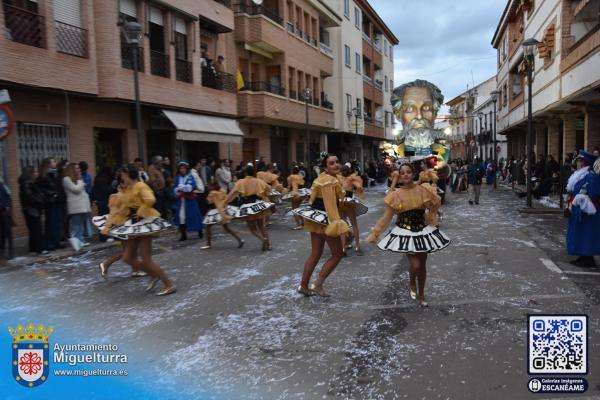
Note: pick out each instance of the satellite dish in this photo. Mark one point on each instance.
(257, 2)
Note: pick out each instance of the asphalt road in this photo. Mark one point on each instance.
(237, 329)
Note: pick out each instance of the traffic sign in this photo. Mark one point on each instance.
(6, 121)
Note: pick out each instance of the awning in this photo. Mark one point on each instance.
(204, 128)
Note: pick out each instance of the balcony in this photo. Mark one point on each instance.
(325, 49)
(183, 71)
(25, 27)
(71, 40)
(265, 106)
(378, 84)
(293, 94)
(258, 10)
(366, 37)
(368, 79)
(260, 86)
(218, 80)
(127, 56)
(159, 64)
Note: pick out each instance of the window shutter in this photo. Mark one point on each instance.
(128, 7)
(68, 12)
(180, 25)
(156, 16)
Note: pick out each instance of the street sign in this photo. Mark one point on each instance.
(6, 121)
(4, 96)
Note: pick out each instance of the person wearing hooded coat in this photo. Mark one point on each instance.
(188, 216)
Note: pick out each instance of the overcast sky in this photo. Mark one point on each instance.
(446, 42)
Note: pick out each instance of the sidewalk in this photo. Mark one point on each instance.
(22, 257)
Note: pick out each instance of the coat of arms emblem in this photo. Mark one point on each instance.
(30, 354)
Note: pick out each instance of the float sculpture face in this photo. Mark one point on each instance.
(417, 108)
(416, 105)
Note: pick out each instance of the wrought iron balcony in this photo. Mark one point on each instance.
(260, 86)
(127, 56)
(25, 27)
(183, 71)
(325, 49)
(293, 94)
(218, 80)
(159, 63)
(258, 10)
(71, 39)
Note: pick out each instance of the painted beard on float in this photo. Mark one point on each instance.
(420, 135)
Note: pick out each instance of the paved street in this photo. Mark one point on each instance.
(237, 329)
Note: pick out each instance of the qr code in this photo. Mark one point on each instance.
(557, 344)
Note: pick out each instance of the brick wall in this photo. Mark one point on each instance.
(592, 128)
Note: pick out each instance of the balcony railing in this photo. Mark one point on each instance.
(290, 27)
(71, 39)
(325, 103)
(218, 80)
(366, 37)
(293, 94)
(260, 86)
(368, 79)
(127, 56)
(368, 119)
(378, 123)
(25, 27)
(326, 49)
(183, 71)
(159, 63)
(378, 84)
(315, 101)
(258, 10)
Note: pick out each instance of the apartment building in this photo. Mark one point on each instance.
(363, 48)
(69, 73)
(566, 77)
(283, 107)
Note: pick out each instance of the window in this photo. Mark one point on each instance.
(38, 141)
(357, 17)
(348, 103)
(391, 84)
(347, 55)
(183, 67)
(347, 8)
(23, 24)
(359, 107)
(358, 62)
(391, 54)
(385, 49)
(385, 81)
(71, 38)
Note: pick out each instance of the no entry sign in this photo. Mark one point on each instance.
(6, 121)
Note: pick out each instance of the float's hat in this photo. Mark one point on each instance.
(183, 162)
(588, 158)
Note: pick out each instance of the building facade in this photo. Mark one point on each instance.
(363, 48)
(566, 77)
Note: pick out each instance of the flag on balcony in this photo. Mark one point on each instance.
(239, 80)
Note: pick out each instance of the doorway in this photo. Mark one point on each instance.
(249, 148)
(108, 144)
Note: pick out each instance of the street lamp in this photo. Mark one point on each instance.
(529, 47)
(480, 138)
(494, 96)
(307, 95)
(132, 31)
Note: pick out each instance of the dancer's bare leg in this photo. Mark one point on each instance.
(233, 233)
(355, 230)
(148, 264)
(335, 245)
(317, 243)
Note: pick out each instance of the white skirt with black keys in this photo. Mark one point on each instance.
(428, 240)
(253, 208)
(359, 207)
(311, 213)
(146, 226)
(213, 216)
(301, 193)
(412, 235)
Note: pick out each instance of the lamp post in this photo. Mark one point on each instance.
(132, 31)
(494, 96)
(307, 95)
(529, 47)
(480, 138)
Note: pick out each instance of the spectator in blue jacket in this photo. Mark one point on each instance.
(475, 174)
